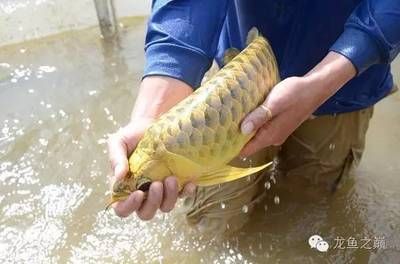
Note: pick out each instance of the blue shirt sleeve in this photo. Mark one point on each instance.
(371, 35)
(182, 38)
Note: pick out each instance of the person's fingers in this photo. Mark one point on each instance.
(170, 194)
(131, 204)
(152, 203)
(117, 155)
(131, 134)
(260, 140)
(270, 134)
(256, 119)
(120, 145)
(189, 190)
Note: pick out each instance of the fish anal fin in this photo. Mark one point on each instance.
(182, 167)
(226, 174)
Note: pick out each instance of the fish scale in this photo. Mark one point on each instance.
(196, 139)
(218, 107)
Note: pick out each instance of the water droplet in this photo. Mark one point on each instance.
(31, 91)
(101, 141)
(332, 146)
(245, 209)
(276, 199)
(267, 185)
(22, 50)
(62, 113)
(93, 92)
(43, 141)
(13, 80)
(272, 178)
(223, 206)
(5, 65)
(47, 69)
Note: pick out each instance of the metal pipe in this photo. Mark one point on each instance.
(107, 20)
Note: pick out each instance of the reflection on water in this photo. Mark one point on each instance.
(61, 96)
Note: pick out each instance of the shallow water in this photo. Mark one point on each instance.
(61, 96)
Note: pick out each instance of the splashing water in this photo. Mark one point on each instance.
(276, 199)
(245, 209)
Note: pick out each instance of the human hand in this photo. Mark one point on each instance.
(157, 94)
(285, 108)
(293, 100)
(161, 195)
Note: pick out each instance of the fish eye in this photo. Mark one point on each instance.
(143, 184)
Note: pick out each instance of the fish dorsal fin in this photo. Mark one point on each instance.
(227, 173)
(230, 54)
(253, 33)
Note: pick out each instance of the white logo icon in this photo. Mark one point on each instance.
(318, 243)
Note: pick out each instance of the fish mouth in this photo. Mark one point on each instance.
(116, 197)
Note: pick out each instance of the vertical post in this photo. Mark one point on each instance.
(107, 19)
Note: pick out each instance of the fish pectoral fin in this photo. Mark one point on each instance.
(227, 173)
(230, 54)
(181, 166)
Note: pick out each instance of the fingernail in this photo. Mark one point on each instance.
(247, 127)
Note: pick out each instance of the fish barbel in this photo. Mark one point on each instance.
(196, 139)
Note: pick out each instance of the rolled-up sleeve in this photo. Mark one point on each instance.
(371, 34)
(182, 38)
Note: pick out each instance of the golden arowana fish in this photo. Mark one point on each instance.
(196, 139)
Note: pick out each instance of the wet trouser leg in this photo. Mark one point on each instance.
(320, 152)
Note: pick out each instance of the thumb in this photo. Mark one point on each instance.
(118, 156)
(256, 119)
